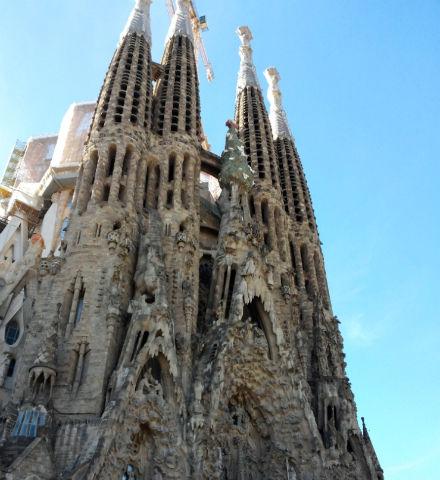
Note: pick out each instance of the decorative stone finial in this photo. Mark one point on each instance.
(181, 21)
(247, 76)
(139, 20)
(277, 115)
(235, 169)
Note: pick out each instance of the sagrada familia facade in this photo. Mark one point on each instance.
(149, 330)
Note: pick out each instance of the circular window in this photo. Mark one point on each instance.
(12, 332)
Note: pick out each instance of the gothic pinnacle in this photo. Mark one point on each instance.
(181, 22)
(247, 75)
(139, 20)
(277, 114)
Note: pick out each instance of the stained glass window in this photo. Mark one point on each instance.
(28, 422)
(12, 332)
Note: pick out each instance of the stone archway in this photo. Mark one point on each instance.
(255, 313)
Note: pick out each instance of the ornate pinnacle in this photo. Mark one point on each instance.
(277, 115)
(139, 20)
(235, 169)
(247, 76)
(181, 21)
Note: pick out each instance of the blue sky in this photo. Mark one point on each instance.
(361, 87)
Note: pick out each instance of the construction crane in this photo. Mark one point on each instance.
(199, 25)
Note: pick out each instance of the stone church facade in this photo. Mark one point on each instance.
(150, 331)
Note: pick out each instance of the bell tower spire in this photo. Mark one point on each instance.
(277, 115)
(252, 118)
(177, 94)
(181, 22)
(296, 195)
(108, 170)
(139, 21)
(247, 75)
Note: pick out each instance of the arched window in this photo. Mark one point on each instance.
(12, 332)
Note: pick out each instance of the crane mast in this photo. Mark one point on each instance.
(199, 25)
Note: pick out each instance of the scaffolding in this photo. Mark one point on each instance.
(10, 173)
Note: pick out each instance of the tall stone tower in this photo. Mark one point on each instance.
(167, 335)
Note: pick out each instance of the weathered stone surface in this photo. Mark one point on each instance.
(161, 334)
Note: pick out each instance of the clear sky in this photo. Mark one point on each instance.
(361, 83)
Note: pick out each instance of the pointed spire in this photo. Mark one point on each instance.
(181, 21)
(247, 76)
(139, 21)
(277, 114)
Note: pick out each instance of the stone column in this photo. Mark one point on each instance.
(151, 186)
(299, 266)
(163, 184)
(79, 367)
(101, 175)
(141, 185)
(271, 228)
(178, 180)
(117, 173)
(226, 289)
(131, 180)
(86, 182)
(74, 306)
(77, 186)
(218, 290)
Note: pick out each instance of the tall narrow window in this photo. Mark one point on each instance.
(11, 368)
(265, 212)
(111, 160)
(186, 166)
(279, 233)
(307, 270)
(145, 202)
(230, 292)
(305, 259)
(205, 279)
(170, 199)
(252, 206)
(12, 332)
(126, 162)
(121, 195)
(80, 306)
(156, 187)
(294, 263)
(186, 189)
(106, 193)
(171, 167)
